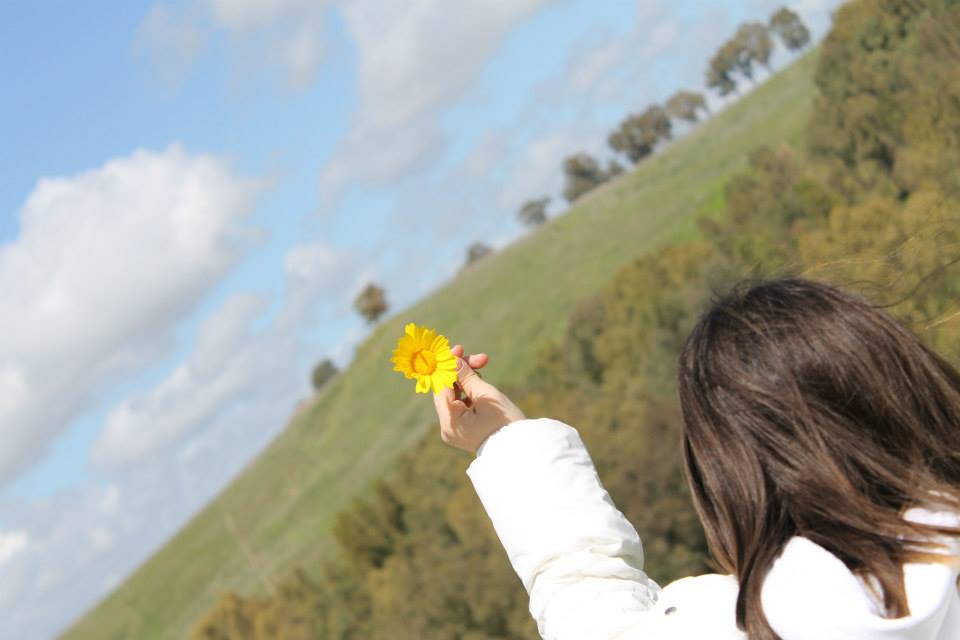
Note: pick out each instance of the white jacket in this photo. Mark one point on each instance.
(581, 561)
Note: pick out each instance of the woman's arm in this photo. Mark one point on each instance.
(579, 558)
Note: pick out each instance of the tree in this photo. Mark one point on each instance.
(686, 105)
(322, 373)
(638, 135)
(885, 74)
(630, 140)
(751, 44)
(614, 169)
(720, 70)
(583, 173)
(371, 303)
(476, 251)
(534, 212)
(788, 26)
(369, 529)
(656, 122)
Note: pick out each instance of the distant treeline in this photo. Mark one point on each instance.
(871, 203)
(639, 135)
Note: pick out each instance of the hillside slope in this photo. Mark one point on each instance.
(276, 514)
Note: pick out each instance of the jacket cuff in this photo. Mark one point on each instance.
(487, 439)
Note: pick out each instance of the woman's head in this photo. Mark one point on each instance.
(809, 411)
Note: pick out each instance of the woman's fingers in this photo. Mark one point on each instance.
(442, 401)
(476, 360)
(450, 410)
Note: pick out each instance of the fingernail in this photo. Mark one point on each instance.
(460, 364)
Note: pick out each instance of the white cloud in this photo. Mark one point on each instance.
(413, 55)
(105, 265)
(414, 58)
(598, 67)
(224, 364)
(417, 55)
(270, 33)
(663, 35)
(171, 41)
(11, 543)
(312, 265)
(82, 541)
(167, 450)
(108, 502)
(245, 15)
(595, 64)
(380, 156)
(302, 52)
(233, 361)
(487, 155)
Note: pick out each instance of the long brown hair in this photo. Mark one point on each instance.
(809, 411)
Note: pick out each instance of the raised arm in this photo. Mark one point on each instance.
(576, 554)
(579, 558)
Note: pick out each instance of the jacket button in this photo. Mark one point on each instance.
(669, 611)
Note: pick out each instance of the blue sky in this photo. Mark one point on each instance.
(192, 193)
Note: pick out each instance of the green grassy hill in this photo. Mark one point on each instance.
(277, 513)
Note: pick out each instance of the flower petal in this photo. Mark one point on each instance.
(423, 384)
(426, 339)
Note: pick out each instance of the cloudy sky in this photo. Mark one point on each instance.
(191, 193)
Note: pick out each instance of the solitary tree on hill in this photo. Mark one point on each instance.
(687, 105)
(534, 212)
(323, 373)
(371, 303)
(476, 251)
(791, 30)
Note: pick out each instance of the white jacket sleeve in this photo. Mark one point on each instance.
(579, 558)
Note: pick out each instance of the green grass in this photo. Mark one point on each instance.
(277, 513)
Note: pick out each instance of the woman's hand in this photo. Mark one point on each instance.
(466, 422)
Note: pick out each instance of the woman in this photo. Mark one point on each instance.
(821, 443)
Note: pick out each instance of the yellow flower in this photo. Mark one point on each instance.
(426, 356)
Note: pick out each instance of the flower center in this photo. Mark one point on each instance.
(423, 362)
